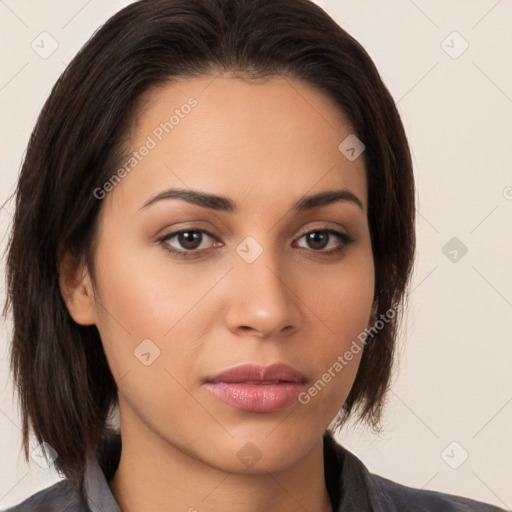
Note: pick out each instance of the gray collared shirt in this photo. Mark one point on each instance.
(351, 488)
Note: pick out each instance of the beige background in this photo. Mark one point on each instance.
(456, 352)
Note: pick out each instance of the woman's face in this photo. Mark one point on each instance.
(254, 280)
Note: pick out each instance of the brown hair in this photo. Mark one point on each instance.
(66, 389)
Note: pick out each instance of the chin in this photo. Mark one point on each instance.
(254, 451)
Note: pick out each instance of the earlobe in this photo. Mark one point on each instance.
(76, 290)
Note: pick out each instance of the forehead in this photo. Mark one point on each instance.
(275, 138)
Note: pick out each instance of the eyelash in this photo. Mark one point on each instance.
(343, 237)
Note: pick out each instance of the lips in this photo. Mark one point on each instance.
(251, 373)
(258, 388)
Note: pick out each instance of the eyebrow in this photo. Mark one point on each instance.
(219, 203)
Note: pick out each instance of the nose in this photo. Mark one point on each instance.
(262, 300)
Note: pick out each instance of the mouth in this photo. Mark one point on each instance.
(257, 388)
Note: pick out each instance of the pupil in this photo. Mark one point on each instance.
(189, 239)
(318, 236)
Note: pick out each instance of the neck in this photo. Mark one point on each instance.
(153, 475)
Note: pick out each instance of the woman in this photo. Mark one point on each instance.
(214, 232)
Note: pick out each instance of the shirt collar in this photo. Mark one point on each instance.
(98, 473)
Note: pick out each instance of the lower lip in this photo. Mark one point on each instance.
(257, 397)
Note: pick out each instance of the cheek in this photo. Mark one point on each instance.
(151, 322)
(142, 298)
(343, 298)
(343, 309)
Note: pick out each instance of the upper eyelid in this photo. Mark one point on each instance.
(185, 230)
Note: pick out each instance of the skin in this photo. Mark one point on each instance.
(264, 145)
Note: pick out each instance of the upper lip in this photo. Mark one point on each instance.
(256, 373)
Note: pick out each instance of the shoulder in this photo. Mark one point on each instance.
(401, 497)
(59, 497)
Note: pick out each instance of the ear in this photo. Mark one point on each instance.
(76, 290)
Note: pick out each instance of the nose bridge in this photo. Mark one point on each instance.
(262, 299)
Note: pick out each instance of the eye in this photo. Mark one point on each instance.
(190, 241)
(319, 239)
